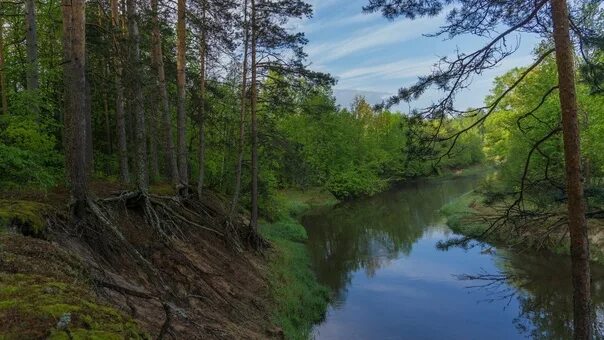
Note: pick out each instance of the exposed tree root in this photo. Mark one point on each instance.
(165, 328)
(122, 289)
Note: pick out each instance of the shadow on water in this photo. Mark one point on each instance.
(541, 284)
(378, 255)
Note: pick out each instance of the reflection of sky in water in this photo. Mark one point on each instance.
(391, 282)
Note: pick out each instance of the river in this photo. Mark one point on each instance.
(390, 281)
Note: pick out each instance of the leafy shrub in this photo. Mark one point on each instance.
(349, 184)
(27, 154)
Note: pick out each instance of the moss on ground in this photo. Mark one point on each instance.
(300, 300)
(32, 306)
(41, 285)
(27, 217)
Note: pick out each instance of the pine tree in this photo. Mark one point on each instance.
(280, 51)
(134, 79)
(158, 61)
(120, 113)
(215, 24)
(181, 46)
(74, 51)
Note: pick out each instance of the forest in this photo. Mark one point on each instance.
(157, 159)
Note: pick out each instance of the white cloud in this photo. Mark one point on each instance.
(399, 69)
(375, 36)
(347, 20)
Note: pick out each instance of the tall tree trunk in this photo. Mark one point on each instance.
(153, 157)
(238, 171)
(201, 118)
(180, 85)
(108, 138)
(120, 114)
(579, 243)
(31, 41)
(163, 93)
(74, 47)
(254, 94)
(3, 89)
(89, 146)
(142, 173)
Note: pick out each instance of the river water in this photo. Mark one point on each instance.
(390, 281)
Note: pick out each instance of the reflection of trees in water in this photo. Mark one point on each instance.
(370, 233)
(541, 285)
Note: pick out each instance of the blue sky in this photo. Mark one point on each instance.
(373, 56)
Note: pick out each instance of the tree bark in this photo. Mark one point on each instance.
(163, 93)
(120, 114)
(201, 118)
(254, 94)
(108, 138)
(89, 145)
(3, 89)
(238, 171)
(74, 48)
(153, 157)
(142, 173)
(579, 246)
(31, 41)
(180, 85)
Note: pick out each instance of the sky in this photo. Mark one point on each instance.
(372, 56)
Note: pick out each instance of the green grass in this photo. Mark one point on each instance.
(458, 212)
(300, 301)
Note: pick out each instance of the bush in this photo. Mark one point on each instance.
(27, 154)
(351, 184)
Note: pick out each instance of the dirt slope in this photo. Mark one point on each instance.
(186, 282)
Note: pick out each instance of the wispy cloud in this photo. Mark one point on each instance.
(343, 21)
(375, 36)
(399, 69)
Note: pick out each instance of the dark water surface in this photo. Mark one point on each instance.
(379, 256)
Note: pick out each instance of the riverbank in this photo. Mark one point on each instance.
(300, 301)
(126, 277)
(469, 214)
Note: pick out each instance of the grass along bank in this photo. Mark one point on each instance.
(467, 216)
(300, 301)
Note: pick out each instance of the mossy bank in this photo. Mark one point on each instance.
(300, 301)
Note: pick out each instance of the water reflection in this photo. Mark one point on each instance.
(379, 257)
(542, 286)
(368, 234)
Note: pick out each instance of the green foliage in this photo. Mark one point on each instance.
(27, 153)
(351, 154)
(522, 122)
